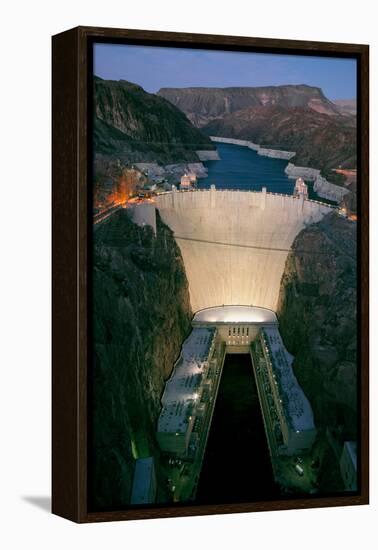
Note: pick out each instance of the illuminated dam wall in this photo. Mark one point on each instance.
(234, 243)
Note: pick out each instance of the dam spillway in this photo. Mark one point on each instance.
(234, 244)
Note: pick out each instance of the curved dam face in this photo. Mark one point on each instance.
(235, 243)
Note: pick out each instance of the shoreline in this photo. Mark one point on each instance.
(322, 187)
(263, 151)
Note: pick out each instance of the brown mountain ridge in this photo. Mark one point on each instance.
(202, 105)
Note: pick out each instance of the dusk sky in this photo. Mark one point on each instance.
(157, 67)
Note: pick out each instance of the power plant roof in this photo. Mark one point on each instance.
(296, 405)
(182, 389)
(235, 314)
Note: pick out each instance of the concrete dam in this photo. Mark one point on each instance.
(234, 243)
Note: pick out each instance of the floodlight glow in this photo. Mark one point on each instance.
(235, 314)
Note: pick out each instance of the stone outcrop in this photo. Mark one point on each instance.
(138, 329)
(173, 172)
(207, 155)
(328, 190)
(305, 172)
(177, 170)
(317, 310)
(275, 153)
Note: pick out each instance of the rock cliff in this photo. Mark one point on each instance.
(202, 105)
(141, 315)
(317, 310)
(136, 126)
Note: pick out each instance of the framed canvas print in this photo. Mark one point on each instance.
(210, 274)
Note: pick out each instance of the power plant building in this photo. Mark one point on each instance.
(287, 413)
(189, 396)
(184, 398)
(237, 326)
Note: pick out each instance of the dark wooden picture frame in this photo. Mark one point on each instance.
(70, 207)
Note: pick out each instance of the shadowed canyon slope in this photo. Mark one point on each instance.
(134, 125)
(317, 310)
(138, 331)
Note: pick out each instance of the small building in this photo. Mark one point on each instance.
(348, 465)
(300, 189)
(188, 180)
(144, 483)
(185, 182)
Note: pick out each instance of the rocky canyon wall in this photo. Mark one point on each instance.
(141, 315)
(317, 310)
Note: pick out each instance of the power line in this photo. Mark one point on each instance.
(237, 245)
(264, 248)
(107, 215)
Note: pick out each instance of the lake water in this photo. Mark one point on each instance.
(241, 168)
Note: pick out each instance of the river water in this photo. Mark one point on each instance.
(237, 465)
(242, 168)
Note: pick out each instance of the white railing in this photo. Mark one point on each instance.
(332, 206)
